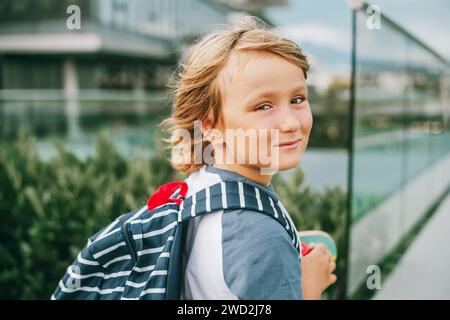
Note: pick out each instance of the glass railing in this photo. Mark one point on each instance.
(401, 139)
(130, 118)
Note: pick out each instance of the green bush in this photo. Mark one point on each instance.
(50, 208)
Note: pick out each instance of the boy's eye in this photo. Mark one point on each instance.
(263, 107)
(298, 100)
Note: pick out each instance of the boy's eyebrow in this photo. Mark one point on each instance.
(273, 93)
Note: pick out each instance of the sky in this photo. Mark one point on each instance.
(429, 20)
(326, 23)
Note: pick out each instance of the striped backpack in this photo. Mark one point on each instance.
(139, 255)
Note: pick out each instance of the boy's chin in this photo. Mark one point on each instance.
(287, 164)
(284, 164)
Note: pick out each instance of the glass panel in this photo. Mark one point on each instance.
(401, 141)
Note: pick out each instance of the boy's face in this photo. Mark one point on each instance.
(267, 95)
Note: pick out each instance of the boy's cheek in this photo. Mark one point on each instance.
(308, 121)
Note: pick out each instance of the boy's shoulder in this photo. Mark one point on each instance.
(259, 258)
(254, 229)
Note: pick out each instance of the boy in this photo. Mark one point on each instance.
(243, 80)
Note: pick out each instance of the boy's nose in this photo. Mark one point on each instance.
(288, 120)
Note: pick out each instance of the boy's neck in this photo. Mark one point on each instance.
(249, 172)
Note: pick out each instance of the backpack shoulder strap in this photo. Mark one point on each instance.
(232, 195)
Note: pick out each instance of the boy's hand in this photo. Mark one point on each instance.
(317, 272)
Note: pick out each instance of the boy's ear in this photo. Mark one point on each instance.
(211, 130)
(207, 124)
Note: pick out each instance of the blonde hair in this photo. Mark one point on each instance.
(197, 83)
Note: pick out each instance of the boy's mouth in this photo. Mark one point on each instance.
(290, 144)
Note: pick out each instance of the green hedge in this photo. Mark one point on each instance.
(50, 208)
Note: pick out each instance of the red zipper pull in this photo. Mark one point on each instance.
(163, 194)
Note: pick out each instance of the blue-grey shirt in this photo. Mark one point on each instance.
(238, 254)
